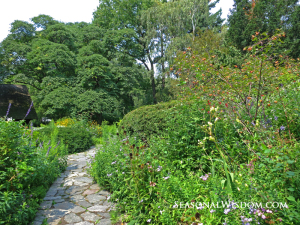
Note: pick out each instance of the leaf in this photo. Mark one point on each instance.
(290, 161)
(132, 222)
(263, 147)
(291, 198)
(291, 189)
(290, 173)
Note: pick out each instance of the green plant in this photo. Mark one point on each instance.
(211, 148)
(77, 138)
(26, 172)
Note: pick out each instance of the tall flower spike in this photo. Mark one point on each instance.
(28, 110)
(9, 105)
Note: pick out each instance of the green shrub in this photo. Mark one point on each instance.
(148, 120)
(180, 123)
(77, 138)
(26, 173)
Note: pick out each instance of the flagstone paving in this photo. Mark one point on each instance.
(74, 199)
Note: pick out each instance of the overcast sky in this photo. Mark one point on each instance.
(61, 10)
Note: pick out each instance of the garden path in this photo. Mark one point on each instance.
(74, 199)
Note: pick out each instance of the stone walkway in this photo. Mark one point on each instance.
(73, 198)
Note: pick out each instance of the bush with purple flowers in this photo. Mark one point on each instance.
(26, 172)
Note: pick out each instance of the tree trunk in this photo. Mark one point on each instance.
(152, 80)
(163, 62)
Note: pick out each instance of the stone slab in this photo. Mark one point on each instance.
(78, 209)
(95, 198)
(88, 216)
(72, 218)
(65, 205)
(98, 208)
(84, 203)
(104, 222)
(46, 205)
(95, 186)
(90, 191)
(52, 198)
(84, 179)
(84, 223)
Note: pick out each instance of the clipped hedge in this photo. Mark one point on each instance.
(149, 120)
(78, 139)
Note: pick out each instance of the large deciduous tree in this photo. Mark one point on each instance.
(74, 68)
(154, 24)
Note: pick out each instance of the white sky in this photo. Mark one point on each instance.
(61, 10)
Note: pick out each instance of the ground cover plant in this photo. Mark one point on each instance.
(26, 171)
(236, 141)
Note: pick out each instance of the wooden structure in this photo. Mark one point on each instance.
(20, 101)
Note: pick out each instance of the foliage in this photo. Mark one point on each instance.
(264, 16)
(77, 137)
(153, 25)
(26, 172)
(241, 92)
(147, 120)
(148, 185)
(216, 147)
(65, 122)
(81, 62)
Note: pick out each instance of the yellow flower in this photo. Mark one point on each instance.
(211, 138)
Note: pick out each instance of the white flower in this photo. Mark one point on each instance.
(216, 119)
(212, 109)
(200, 143)
(210, 124)
(149, 220)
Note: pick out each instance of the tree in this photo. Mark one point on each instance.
(154, 24)
(74, 68)
(119, 15)
(43, 21)
(248, 17)
(22, 31)
(171, 26)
